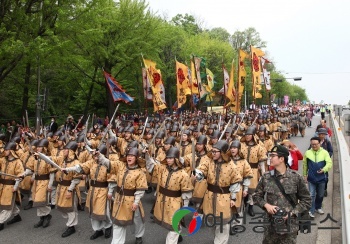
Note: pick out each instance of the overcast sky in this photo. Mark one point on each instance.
(307, 38)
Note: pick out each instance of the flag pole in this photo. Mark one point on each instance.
(223, 72)
(253, 80)
(191, 102)
(199, 88)
(238, 100)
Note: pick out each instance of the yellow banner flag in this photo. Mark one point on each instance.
(256, 53)
(193, 80)
(231, 91)
(155, 78)
(242, 74)
(182, 85)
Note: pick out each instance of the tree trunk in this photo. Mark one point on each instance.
(25, 96)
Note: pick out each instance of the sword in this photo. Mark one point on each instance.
(49, 161)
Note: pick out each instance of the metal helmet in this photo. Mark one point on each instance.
(235, 144)
(2, 137)
(262, 128)
(11, 146)
(133, 144)
(43, 143)
(50, 135)
(129, 129)
(102, 149)
(187, 132)
(170, 140)
(16, 139)
(250, 130)
(72, 145)
(202, 139)
(174, 128)
(160, 135)
(34, 143)
(81, 138)
(112, 141)
(120, 129)
(58, 133)
(173, 152)
(213, 127)
(151, 131)
(148, 125)
(62, 138)
(133, 151)
(216, 134)
(222, 145)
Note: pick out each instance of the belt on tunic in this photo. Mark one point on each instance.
(126, 192)
(219, 189)
(169, 193)
(7, 182)
(42, 177)
(254, 165)
(65, 182)
(101, 184)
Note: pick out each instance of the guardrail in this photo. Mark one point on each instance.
(344, 167)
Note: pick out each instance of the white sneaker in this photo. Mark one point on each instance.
(320, 211)
(311, 215)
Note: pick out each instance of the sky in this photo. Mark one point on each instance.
(305, 38)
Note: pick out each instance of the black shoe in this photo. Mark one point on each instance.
(69, 231)
(180, 239)
(52, 206)
(2, 227)
(149, 190)
(29, 205)
(251, 210)
(40, 223)
(15, 219)
(96, 234)
(108, 232)
(47, 219)
(138, 240)
(325, 193)
(81, 207)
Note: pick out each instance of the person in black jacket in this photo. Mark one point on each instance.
(327, 145)
(53, 125)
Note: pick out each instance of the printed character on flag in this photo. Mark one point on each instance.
(182, 86)
(155, 78)
(256, 70)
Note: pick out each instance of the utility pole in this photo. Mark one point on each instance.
(38, 104)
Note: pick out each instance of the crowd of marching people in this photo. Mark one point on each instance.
(221, 164)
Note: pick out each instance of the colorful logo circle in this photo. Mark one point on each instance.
(194, 225)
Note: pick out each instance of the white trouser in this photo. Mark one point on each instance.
(6, 214)
(119, 232)
(172, 237)
(72, 216)
(53, 195)
(102, 224)
(43, 211)
(222, 238)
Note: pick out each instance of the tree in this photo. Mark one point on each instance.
(243, 39)
(187, 22)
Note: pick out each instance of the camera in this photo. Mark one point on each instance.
(277, 218)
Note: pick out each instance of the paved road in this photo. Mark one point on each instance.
(24, 231)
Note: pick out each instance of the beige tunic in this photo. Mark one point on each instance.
(199, 187)
(96, 202)
(63, 204)
(26, 184)
(7, 197)
(254, 154)
(219, 176)
(42, 172)
(246, 172)
(128, 182)
(171, 185)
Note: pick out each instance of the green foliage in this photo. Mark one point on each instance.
(65, 44)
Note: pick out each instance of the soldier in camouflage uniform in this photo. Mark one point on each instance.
(294, 185)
